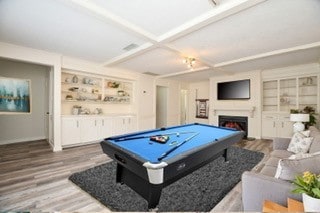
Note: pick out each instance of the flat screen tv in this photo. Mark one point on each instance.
(234, 90)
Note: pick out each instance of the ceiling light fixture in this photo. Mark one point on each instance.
(190, 62)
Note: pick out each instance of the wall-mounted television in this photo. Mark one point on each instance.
(233, 90)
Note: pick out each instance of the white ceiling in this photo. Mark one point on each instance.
(230, 37)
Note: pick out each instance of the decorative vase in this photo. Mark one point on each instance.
(310, 204)
(75, 79)
(75, 111)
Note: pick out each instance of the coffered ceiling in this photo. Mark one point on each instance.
(154, 36)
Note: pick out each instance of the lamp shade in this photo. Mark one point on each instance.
(300, 117)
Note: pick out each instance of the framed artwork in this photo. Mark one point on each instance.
(15, 96)
(202, 108)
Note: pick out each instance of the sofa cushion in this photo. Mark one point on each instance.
(272, 161)
(268, 170)
(300, 143)
(300, 156)
(288, 168)
(315, 145)
(281, 153)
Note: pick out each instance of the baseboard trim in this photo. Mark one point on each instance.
(21, 140)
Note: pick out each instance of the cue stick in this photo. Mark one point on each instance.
(139, 137)
(176, 147)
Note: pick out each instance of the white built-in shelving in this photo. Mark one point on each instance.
(282, 95)
(76, 87)
(279, 96)
(104, 107)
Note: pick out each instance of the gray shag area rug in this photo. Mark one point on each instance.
(199, 191)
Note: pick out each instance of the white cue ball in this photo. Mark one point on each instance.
(178, 134)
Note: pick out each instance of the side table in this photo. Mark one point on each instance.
(293, 206)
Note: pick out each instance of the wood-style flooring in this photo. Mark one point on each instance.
(33, 178)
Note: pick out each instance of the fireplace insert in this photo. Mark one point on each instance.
(234, 122)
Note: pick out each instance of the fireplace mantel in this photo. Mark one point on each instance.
(247, 109)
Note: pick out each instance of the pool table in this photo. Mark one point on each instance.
(148, 166)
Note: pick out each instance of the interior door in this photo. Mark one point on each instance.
(49, 115)
(161, 106)
(183, 106)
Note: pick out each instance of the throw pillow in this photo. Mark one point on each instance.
(299, 143)
(315, 145)
(305, 133)
(288, 168)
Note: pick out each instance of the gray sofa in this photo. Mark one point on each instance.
(260, 186)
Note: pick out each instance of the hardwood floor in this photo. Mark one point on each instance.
(33, 178)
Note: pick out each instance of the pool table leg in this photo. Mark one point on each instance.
(151, 192)
(119, 173)
(225, 155)
(154, 196)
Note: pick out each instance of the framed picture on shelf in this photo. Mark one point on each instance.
(15, 96)
(202, 108)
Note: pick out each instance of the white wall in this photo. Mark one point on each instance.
(202, 91)
(53, 60)
(26, 127)
(146, 102)
(238, 107)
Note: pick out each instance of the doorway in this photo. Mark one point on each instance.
(31, 126)
(183, 106)
(161, 106)
(49, 107)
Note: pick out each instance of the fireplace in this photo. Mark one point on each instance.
(235, 122)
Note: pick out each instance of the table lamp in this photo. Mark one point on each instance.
(298, 126)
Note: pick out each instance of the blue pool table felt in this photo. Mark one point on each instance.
(151, 151)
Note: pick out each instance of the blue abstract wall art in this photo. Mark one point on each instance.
(15, 95)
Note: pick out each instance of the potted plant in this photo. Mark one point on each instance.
(311, 111)
(309, 186)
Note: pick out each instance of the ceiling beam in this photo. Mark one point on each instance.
(184, 72)
(212, 16)
(268, 54)
(218, 13)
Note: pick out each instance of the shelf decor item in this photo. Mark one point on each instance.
(69, 97)
(113, 84)
(15, 96)
(75, 79)
(76, 109)
(68, 80)
(298, 126)
(309, 186)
